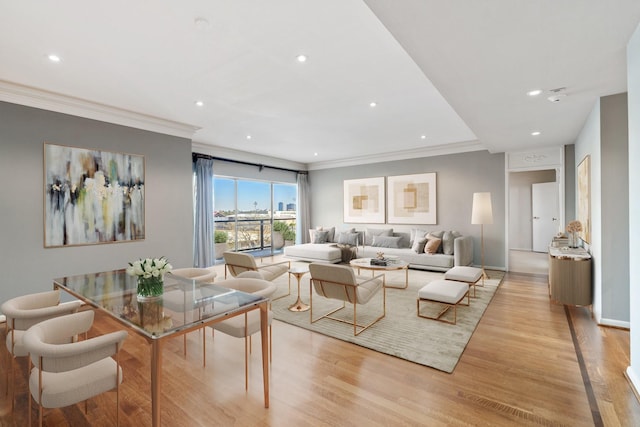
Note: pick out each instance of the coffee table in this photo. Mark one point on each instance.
(365, 264)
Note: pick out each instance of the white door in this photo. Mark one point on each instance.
(545, 213)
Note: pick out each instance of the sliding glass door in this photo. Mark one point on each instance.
(251, 215)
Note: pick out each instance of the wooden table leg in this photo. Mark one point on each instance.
(264, 326)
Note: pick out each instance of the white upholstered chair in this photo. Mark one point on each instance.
(200, 275)
(340, 282)
(66, 371)
(243, 326)
(238, 263)
(25, 311)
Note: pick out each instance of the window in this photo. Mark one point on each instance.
(253, 215)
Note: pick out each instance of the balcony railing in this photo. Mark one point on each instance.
(251, 234)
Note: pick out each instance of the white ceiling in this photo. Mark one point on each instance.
(454, 71)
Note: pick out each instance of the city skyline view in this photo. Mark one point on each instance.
(252, 195)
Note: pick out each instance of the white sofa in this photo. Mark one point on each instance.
(454, 250)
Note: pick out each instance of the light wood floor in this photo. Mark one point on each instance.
(520, 368)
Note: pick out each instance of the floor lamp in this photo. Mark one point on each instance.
(481, 213)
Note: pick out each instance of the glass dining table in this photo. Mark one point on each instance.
(184, 307)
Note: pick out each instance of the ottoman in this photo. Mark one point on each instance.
(448, 293)
(470, 275)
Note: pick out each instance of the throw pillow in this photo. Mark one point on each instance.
(348, 239)
(447, 242)
(386, 241)
(321, 237)
(331, 235)
(436, 235)
(371, 232)
(418, 245)
(416, 233)
(432, 245)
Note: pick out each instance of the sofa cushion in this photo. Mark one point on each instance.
(417, 233)
(447, 242)
(321, 237)
(370, 232)
(436, 235)
(432, 245)
(345, 238)
(386, 241)
(418, 245)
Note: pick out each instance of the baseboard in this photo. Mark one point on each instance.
(634, 381)
(614, 323)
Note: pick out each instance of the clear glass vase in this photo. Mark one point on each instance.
(150, 288)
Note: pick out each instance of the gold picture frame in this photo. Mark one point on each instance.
(584, 198)
(411, 199)
(92, 196)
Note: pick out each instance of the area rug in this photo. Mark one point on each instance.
(401, 333)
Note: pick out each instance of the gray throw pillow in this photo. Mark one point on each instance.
(386, 242)
(347, 239)
(417, 233)
(447, 242)
(321, 237)
(418, 245)
(371, 232)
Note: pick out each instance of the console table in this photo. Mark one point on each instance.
(570, 276)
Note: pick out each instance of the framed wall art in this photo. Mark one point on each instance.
(364, 200)
(411, 199)
(92, 196)
(584, 198)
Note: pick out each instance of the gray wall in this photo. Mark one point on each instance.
(25, 264)
(604, 137)
(458, 176)
(614, 152)
(633, 76)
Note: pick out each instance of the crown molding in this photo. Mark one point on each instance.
(436, 150)
(51, 101)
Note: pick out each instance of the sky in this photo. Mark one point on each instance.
(250, 192)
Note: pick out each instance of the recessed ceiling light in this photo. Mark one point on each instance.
(54, 58)
(248, 136)
(534, 92)
(423, 136)
(535, 133)
(301, 58)
(199, 103)
(315, 154)
(372, 104)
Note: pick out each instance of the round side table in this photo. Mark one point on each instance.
(298, 272)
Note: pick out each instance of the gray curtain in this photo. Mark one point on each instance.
(304, 209)
(203, 230)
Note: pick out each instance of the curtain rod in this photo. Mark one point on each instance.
(195, 156)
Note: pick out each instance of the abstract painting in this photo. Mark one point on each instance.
(364, 200)
(92, 196)
(411, 199)
(584, 198)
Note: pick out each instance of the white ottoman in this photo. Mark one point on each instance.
(449, 293)
(470, 275)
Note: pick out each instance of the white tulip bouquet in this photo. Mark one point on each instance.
(150, 273)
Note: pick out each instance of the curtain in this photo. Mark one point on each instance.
(203, 230)
(304, 209)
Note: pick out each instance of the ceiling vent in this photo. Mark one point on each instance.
(557, 94)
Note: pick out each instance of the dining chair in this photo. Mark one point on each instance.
(66, 371)
(21, 313)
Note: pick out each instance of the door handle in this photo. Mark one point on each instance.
(536, 217)
(554, 219)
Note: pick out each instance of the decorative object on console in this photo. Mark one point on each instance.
(572, 228)
(92, 196)
(364, 200)
(481, 213)
(150, 273)
(411, 199)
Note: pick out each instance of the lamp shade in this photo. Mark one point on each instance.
(481, 212)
